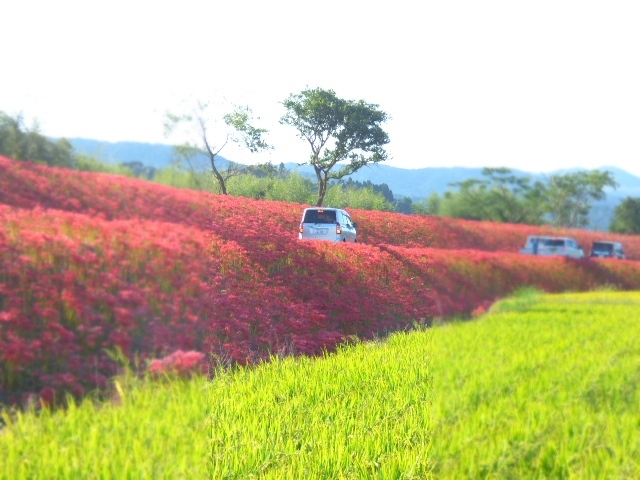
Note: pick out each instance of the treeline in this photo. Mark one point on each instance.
(275, 182)
(21, 142)
(562, 200)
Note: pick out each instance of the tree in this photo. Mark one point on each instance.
(21, 143)
(240, 130)
(500, 197)
(564, 200)
(404, 205)
(428, 206)
(337, 130)
(568, 197)
(268, 170)
(382, 189)
(626, 216)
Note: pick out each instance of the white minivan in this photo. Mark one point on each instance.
(331, 224)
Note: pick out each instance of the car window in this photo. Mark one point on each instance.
(532, 240)
(320, 216)
(554, 242)
(348, 219)
(602, 247)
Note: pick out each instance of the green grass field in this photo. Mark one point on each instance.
(541, 387)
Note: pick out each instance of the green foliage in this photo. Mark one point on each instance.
(297, 189)
(382, 189)
(430, 206)
(140, 170)
(404, 205)
(268, 169)
(626, 217)
(21, 143)
(205, 145)
(337, 130)
(250, 186)
(293, 188)
(563, 200)
(92, 164)
(180, 178)
(568, 198)
(500, 197)
(456, 206)
(361, 198)
(251, 136)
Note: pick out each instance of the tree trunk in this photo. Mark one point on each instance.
(216, 173)
(322, 190)
(322, 185)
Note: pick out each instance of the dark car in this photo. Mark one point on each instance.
(602, 249)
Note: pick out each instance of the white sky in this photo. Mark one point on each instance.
(537, 85)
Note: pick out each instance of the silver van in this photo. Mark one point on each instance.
(331, 224)
(532, 246)
(566, 247)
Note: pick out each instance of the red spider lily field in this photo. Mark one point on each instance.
(93, 266)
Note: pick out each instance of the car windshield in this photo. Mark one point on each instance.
(539, 240)
(554, 242)
(603, 247)
(320, 216)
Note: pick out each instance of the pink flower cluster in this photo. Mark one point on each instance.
(179, 363)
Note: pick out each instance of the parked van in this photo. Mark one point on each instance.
(330, 224)
(532, 245)
(563, 246)
(603, 249)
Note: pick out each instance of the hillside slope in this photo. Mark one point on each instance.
(94, 262)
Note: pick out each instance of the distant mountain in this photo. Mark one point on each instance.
(629, 185)
(155, 155)
(150, 154)
(416, 184)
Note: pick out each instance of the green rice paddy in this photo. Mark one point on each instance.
(543, 386)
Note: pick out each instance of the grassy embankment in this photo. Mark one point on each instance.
(542, 387)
